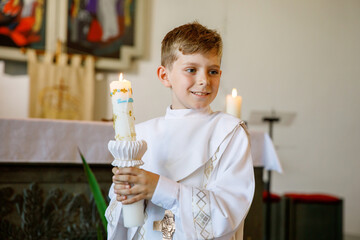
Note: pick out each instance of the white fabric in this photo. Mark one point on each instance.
(182, 147)
(127, 153)
(180, 129)
(56, 141)
(263, 151)
(61, 90)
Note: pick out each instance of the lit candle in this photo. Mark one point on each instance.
(126, 150)
(233, 104)
(123, 113)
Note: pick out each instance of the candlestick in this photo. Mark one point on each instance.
(123, 113)
(127, 152)
(233, 104)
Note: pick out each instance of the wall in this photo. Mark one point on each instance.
(291, 56)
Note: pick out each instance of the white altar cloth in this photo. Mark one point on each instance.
(263, 151)
(57, 141)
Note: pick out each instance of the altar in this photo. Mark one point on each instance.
(57, 141)
(40, 155)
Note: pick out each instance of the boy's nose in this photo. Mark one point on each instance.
(203, 80)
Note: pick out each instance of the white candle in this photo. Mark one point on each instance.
(126, 149)
(123, 113)
(233, 104)
(133, 214)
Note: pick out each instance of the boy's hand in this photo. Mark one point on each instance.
(134, 181)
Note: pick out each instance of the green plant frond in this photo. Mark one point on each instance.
(95, 189)
(99, 234)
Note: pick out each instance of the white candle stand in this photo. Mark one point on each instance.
(129, 154)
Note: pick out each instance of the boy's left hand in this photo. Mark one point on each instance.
(134, 181)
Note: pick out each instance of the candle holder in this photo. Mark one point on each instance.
(129, 154)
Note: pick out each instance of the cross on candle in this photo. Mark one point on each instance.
(233, 104)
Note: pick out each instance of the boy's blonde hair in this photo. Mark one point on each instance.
(189, 39)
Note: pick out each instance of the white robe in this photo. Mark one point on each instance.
(206, 176)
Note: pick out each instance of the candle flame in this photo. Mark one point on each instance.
(121, 77)
(234, 92)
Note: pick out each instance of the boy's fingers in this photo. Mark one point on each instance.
(114, 169)
(133, 199)
(125, 178)
(121, 185)
(116, 180)
(134, 190)
(128, 171)
(126, 191)
(121, 198)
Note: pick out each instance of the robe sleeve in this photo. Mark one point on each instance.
(219, 208)
(113, 214)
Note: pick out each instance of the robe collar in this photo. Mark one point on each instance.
(187, 113)
(183, 140)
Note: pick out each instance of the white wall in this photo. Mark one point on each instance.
(291, 56)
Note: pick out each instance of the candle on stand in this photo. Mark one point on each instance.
(233, 104)
(123, 113)
(127, 152)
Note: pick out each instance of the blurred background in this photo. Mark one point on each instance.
(290, 57)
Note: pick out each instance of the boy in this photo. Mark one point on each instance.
(198, 173)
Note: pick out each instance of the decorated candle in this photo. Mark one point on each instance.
(122, 103)
(127, 152)
(233, 104)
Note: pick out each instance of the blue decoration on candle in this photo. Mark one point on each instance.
(123, 101)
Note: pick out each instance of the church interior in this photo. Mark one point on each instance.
(294, 65)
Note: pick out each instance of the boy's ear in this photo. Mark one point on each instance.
(163, 76)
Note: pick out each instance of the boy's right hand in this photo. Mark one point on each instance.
(134, 181)
(119, 185)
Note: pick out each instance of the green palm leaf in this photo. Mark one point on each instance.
(95, 189)
(99, 234)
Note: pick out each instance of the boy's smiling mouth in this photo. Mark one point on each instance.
(199, 93)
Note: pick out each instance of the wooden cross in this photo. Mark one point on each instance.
(166, 225)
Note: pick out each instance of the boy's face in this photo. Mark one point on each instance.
(193, 78)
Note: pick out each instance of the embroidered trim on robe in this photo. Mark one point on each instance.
(201, 204)
(202, 214)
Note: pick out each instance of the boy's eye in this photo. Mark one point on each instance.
(190, 70)
(214, 72)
